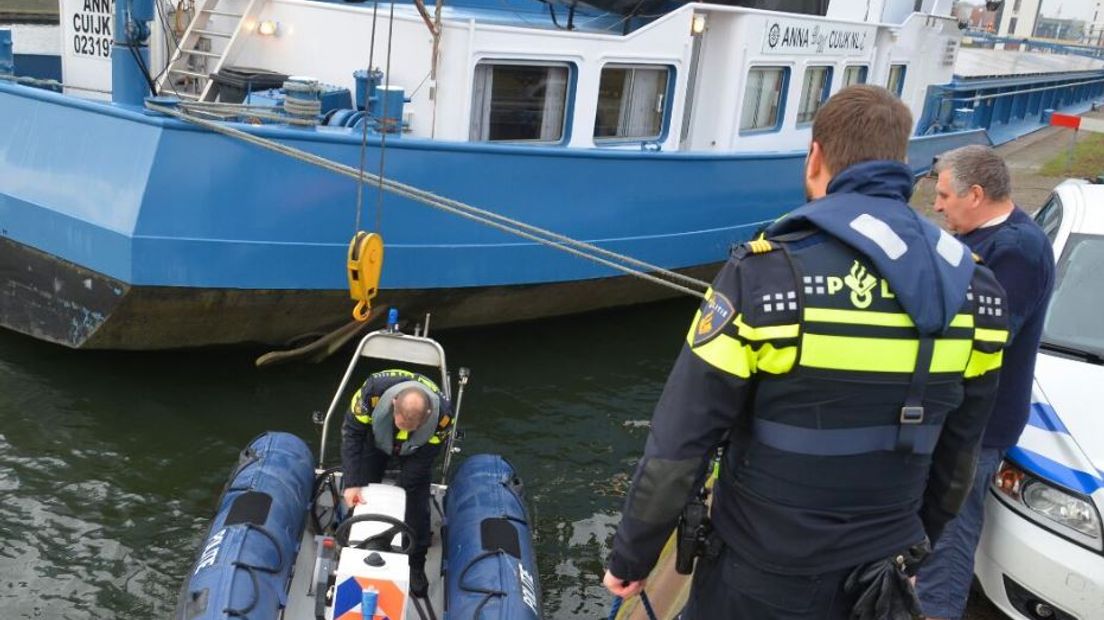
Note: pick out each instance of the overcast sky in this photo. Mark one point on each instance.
(1076, 9)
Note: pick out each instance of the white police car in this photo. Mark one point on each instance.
(1042, 549)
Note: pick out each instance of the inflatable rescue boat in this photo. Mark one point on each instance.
(282, 546)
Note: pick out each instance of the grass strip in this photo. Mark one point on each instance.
(1087, 160)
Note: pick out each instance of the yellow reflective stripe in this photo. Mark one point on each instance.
(401, 434)
(426, 382)
(877, 319)
(991, 335)
(727, 354)
(880, 354)
(858, 317)
(981, 363)
(395, 372)
(767, 332)
(760, 246)
(950, 355)
(732, 356)
(963, 320)
(694, 323)
(410, 375)
(358, 411)
(776, 361)
(434, 439)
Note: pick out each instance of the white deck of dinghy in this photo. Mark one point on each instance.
(301, 600)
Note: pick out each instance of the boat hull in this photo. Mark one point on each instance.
(165, 236)
(63, 303)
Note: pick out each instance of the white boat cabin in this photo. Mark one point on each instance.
(703, 78)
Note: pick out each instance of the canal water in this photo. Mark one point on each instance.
(111, 463)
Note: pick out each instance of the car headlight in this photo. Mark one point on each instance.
(1065, 512)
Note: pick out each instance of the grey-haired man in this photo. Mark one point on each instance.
(974, 195)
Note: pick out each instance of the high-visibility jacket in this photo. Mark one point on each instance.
(840, 448)
(369, 422)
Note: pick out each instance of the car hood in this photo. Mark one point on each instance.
(1064, 439)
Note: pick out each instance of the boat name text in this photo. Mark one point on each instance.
(91, 28)
(794, 37)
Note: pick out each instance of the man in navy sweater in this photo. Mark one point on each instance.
(974, 196)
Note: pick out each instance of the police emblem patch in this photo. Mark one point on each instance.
(861, 284)
(716, 313)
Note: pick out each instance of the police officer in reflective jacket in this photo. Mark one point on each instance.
(847, 361)
(404, 416)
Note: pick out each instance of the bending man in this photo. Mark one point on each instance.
(402, 415)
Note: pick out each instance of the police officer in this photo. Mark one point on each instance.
(847, 362)
(402, 415)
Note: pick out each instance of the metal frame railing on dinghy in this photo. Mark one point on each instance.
(392, 345)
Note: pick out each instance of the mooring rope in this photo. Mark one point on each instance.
(575, 247)
(39, 82)
(228, 111)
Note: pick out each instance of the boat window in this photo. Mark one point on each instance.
(814, 91)
(855, 74)
(1049, 218)
(763, 100)
(631, 102)
(896, 83)
(519, 102)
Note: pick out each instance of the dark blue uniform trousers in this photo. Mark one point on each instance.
(731, 587)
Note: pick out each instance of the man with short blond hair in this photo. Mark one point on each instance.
(847, 374)
(974, 195)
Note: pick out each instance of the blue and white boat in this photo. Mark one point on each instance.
(282, 544)
(663, 131)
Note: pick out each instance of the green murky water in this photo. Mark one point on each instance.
(110, 463)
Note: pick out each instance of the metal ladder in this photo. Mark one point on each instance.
(203, 48)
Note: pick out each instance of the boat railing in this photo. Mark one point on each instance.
(393, 346)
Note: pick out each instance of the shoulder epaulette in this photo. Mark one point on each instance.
(760, 246)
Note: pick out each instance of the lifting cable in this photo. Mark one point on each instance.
(364, 129)
(631, 266)
(385, 119)
(365, 258)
